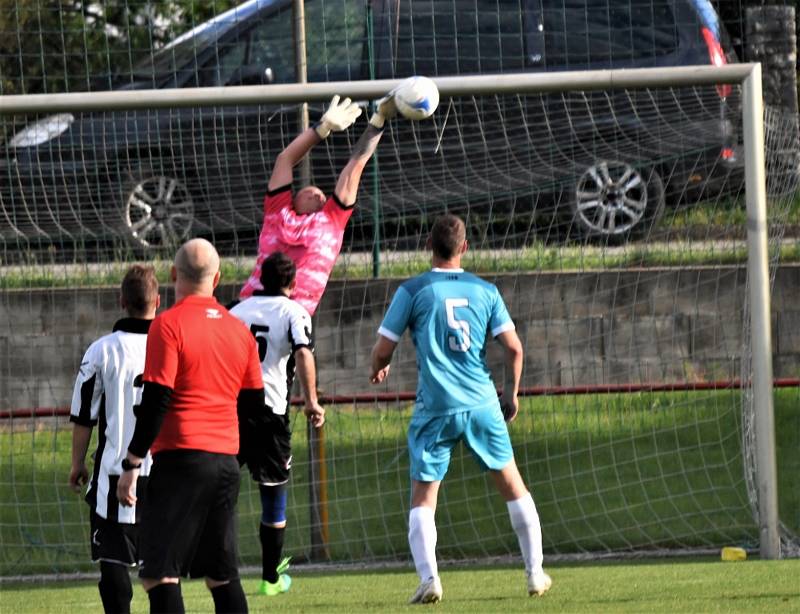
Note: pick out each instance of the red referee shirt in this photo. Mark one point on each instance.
(206, 356)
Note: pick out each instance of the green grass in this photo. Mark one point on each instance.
(608, 472)
(642, 586)
(538, 257)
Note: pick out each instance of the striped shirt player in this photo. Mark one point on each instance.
(107, 390)
(308, 226)
(108, 386)
(282, 328)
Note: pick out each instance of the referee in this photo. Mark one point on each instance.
(200, 361)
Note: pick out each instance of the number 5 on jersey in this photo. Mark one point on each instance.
(458, 340)
(259, 332)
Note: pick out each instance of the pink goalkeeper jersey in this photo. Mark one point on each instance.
(312, 241)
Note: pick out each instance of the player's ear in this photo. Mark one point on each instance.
(173, 274)
(122, 303)
(158, 301)
(464, 247)
(217, 275)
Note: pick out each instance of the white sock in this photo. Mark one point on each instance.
(525, 520)
(422, 539)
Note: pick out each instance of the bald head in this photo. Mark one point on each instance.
(197, 262)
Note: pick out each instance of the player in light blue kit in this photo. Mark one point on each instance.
(451, 314)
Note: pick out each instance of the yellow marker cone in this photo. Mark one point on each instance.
(731, 553)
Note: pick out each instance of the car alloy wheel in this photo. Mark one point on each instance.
(159, 211)
(614, 199)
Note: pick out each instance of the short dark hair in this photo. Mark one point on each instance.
(139, 289)
(277, 273)
(447, 236)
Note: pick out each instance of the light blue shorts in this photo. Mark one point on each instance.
(431, 440)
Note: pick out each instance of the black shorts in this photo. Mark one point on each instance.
(189, 523)
(268, 450)
(113, 542)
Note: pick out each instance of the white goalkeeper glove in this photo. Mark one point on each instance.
(386, 110)
(338, 117)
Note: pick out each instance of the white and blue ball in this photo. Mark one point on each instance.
(416, 98)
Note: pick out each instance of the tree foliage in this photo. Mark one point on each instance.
(76, 45)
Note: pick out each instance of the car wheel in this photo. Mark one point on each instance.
(158, 209)
(614, 201)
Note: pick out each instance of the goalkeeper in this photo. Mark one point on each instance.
(307, 226)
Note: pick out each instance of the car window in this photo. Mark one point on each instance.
(272, 45)
(335, 36)
(441, 37)
(224, 64)
(580, 33)
(334, 44)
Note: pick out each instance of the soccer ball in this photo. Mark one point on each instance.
(416, 98)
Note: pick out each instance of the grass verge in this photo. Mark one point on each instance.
(641, 586)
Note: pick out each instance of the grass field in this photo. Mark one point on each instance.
(707, 585)
(608, 472)
(537, 257)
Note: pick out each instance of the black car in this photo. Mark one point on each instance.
(603, 164)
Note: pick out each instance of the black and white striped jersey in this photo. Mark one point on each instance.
(108, 385)
(281, 326)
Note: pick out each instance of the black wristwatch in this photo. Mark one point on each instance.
(128, 465)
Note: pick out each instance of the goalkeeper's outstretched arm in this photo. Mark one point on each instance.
(339, 116)
(350, 177)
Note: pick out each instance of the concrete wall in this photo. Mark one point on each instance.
(627, 326)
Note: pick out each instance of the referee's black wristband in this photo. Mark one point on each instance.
(128, 465)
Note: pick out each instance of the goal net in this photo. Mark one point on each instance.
(613, 222)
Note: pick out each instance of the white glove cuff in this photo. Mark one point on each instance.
(377, 120)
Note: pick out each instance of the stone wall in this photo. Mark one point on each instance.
(771, 40)
(632, 326)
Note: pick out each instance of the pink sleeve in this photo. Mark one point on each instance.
(338, 212)
(275, 200)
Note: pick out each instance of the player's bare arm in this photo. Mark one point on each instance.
(350, 177)
(339, 116)
(382, 353)
(79, 474)
(307, 373)
(513, 363)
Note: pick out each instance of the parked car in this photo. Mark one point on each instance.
(603, 163)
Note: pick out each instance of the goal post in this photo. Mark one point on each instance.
(603, 504)
(760, 327)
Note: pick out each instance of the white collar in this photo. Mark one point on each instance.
(438, 270)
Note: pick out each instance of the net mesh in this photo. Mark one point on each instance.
(613, 223)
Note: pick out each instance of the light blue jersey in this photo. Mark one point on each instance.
(450, 314)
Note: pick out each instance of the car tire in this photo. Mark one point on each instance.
(158, 208)
(614, 201)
